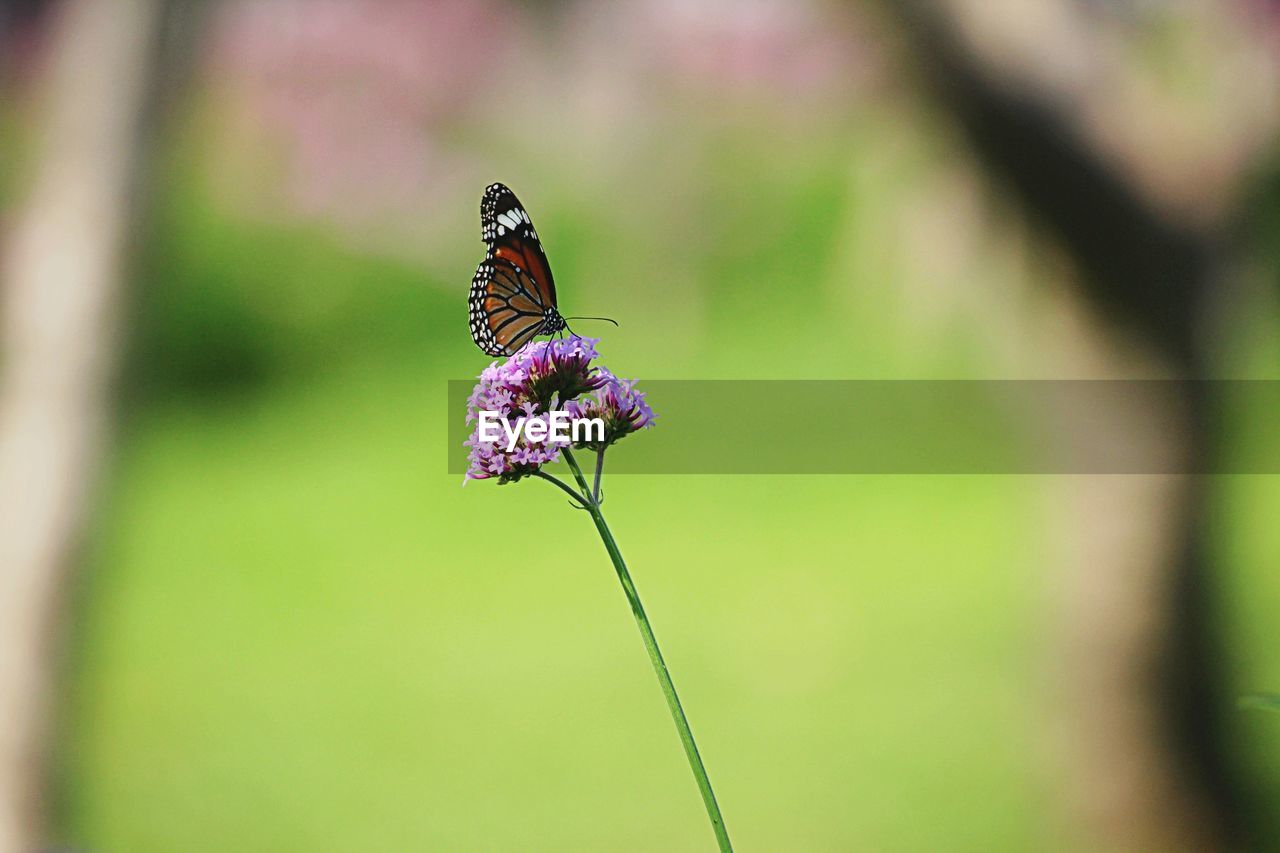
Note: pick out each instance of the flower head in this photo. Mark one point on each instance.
(616, 402)
(557, 371)
(541, 376)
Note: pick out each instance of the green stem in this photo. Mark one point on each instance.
(578, 500)
(595, 489)
(659, 665)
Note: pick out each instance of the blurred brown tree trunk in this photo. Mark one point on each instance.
(61, 274)
(1143, 680)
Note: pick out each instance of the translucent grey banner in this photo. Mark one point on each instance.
(942, 427)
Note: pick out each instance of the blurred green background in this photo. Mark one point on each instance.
(296, 631)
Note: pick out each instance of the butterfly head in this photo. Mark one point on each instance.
(552, 321)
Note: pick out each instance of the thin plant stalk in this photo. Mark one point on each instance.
(655, 656)
(560, 484)
(595, 489)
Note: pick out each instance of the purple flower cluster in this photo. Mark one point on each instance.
(542, 377)
(617, 403)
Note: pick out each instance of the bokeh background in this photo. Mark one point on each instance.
(258, 613)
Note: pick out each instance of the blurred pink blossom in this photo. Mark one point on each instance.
(793, 48)
(355, 90)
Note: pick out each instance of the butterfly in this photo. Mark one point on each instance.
(513, 296)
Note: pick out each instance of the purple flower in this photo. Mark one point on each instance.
(543, 374)
(616, 402)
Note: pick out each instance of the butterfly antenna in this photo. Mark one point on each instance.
(605, 319)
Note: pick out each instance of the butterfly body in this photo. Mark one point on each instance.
(513, 295)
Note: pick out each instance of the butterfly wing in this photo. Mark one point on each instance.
(510, 236)
(512, 288)
(505, 312)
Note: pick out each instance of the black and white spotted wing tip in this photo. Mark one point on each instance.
(502, 213)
